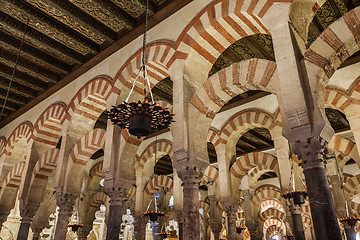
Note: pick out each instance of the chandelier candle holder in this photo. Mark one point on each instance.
(164, 235)
(240, 229)
(289, 236)
(351, 221)
(141, 117)
(75, 226)
(297, 196)
(153, 215)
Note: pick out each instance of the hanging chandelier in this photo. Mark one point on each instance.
(351, 221)
(141, 117)
(239, 229)
(297, 196)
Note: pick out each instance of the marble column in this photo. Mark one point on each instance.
(113, 227)
(231, 208)
(36, 233)
(190, 177)
(27, 212)
(180, 221)
(65, 202)
(311, 151)
(298, 228)
(249, 220)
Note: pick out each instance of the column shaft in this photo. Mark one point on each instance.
(191, 211)
(322, 208)
(24, 229)
(113, 227)
(61, 225)
(298, 227)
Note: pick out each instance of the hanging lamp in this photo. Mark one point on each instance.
(75, 226)
(153, 215)
(289, 236)
(239, 229)
(298, 196)
(141, 117)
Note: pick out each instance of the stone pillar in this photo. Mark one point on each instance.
(311, 151)
(140, 226)
(113, 227)
(190, 177)
(36, 233)
(180, 221)
(65, 202)
(298, 228)
(27, 212)
(249, 220)
(231, 209)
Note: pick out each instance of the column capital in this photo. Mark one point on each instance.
(28, 210)
(65, 202)
(311, 151)
(116, 195)
(190, 175)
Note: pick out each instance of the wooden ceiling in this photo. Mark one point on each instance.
(64, 38)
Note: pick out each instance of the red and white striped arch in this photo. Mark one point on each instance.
(252, 74)
(240, 213)
(337, 99)
(13, 179)
(97, 170)
(335, 44)
(158, 183)
(23, 130)
(272, 230)
(131, 193)
(255, 159)
(211, 173)
(244, 121)
(219, 25)
(158, 59)
(163, 147)
(87, 146)
(256, 172)
(271, 203)
(47, 128)
(98, 199)
(98, 87)
(271, 213)
(46, 164)
(355, 207)
(346, 147)
(266, 192)
(305, 208)
(280, 226)
(2, 145)
(352, 185)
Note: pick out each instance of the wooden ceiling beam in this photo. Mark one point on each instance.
(261, 138)
(127, 38)
(30, 54)
(22, 78)
(19, 90)
(16, 29)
